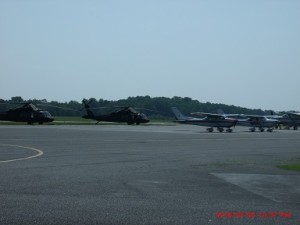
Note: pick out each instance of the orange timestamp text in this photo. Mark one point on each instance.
(252, 215)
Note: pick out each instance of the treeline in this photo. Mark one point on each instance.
(156, 107)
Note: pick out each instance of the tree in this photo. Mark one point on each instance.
(17, 99)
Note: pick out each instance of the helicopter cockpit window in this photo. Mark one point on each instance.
(46, 114)
(143, 116)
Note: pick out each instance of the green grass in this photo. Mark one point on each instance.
(11, 123)
(71, 120)
(58, 120)
(67, 118)
(295, 167)
(79, 120)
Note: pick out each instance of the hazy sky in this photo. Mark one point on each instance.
(237, 52)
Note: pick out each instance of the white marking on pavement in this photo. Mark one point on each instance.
(39, 153)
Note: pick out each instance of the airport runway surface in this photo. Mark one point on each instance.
(147, 175)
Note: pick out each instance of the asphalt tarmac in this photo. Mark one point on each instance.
(119, 174)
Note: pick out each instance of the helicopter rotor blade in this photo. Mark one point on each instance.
(58, 107)
(155, 111)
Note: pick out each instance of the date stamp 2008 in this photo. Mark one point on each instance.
(252, 215)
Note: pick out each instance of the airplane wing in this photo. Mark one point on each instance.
(294, 115)
(233, 115)
(221, 112)
(255, 116)
(208, 115)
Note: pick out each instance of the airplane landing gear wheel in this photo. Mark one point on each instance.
(210, 129)
(220, 129)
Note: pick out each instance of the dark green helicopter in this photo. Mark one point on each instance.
(28, 113)
(125, 114)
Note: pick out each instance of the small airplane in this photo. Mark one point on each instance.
(288, 120)
(28, 113)
(253, 121)
(209, 120)
(125, 114)
(256, 121)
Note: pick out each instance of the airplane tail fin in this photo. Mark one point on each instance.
(221, 112)
(178, 115)
(89, 112)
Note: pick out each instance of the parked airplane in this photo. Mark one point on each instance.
(288, 120)
(252, 121)
(209, 120)
(260, 122)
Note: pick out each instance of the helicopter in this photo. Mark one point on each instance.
(126, 114)
(28, 113)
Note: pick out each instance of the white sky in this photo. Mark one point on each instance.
(238, 52)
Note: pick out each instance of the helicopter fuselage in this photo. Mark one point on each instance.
(120, 117)
(26, 115)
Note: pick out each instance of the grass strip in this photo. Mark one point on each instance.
(294, 167)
